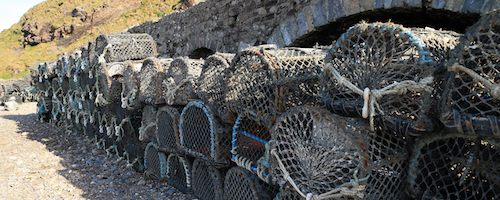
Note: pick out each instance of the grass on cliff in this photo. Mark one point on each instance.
(16, 57)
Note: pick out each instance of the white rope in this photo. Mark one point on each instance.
(351, 188)
(172, 88)
(370, 96)
(99, 100)
(494, 88)
(142, 129)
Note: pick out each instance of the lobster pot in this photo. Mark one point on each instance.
(207, 181)
(320, 152)
(122, 47)
(61, 67)
(249, 143)
(71, 66)
(242, 184)
(388, 164)
(152, 166)
(179, 80)
(179, 172)
(109, 83)
(204, 136)
(471, 103)
(134, 148)
(44, 106)
(288, 193)
(84, 60)
(455, 166)
(265, 82)
(92, 127)
(389, 68)
(167, 129)
(150, 78)
(147, 130)
(130, 85)
(49, 71)
(211, 84)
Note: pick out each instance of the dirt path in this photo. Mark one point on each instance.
(43, 162)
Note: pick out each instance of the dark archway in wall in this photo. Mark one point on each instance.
(201, 53)
(437, 19)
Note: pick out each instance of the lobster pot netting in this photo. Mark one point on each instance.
(264, 82)
(455, 166)
(109, 84)
(149, 78)
(203, 135)
(288, 193)
(318, 153)
(122, 47)
(441, 44)
(388, 162)
(180, 80)
(179, 172)
(384, 69)
(152, 166)
(207, 181)
(471, 103)
(211, 84)
(249, 145)
(130, 85)
(147, 130)
(242, 184)
(167, 129)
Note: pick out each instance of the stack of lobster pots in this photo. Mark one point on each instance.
(385, 112)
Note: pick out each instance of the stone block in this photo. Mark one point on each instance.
(490, 5)
(284, 33)
(454, 5)
(277, 39)
(319, 10)
(351, 7)
(235, 10)
(293, 29)
(379, 4)
(414, 3)
(472, 6)
(366, 5)
(438, 4)
(302, 24)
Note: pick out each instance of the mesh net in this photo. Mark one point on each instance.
(207, 181)
(167, 129)
(249, 144)
(180, 80)
(241, 184)
(391, 65)
(179, 172)
(471, 104)
(319, 152)
(122, 47)
(147, 130)
(212, 84)
(130, 87)
(388, 163)
(150, 75)
(455, 166)
(203, 135)
(152, 162)
(263, 83)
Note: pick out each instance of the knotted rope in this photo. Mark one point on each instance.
(370, 96)
(494, 88)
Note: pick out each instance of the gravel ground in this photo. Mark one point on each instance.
(45, 162)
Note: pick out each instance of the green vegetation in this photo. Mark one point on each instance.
(57, 13)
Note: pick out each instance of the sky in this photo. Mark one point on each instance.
(12, 10)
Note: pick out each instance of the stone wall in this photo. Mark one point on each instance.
(229, 25)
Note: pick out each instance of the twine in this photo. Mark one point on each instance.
(494, 88)
(370, 96)
(351, 188)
